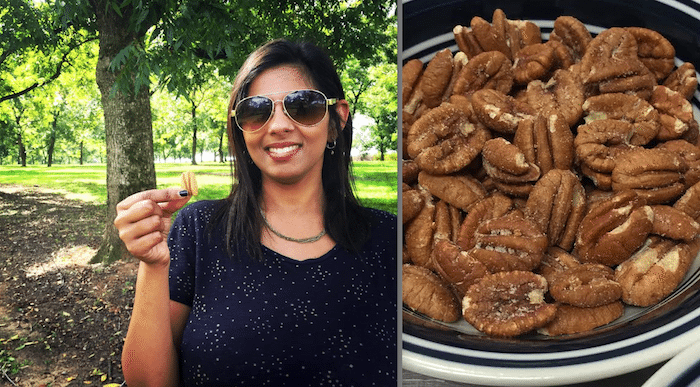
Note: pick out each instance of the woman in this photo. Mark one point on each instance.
(288, 281)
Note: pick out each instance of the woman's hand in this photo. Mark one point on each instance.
(144, 219)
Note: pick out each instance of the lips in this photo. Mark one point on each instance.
(281, 151)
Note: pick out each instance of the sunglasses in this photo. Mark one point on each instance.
(305, 107)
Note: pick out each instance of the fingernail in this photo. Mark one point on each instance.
(183, 193)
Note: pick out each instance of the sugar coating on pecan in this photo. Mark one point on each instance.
(485, 209)
(456, 266)
(587, 285)
(510, 242)
(653, 272)
(571, 319)
(614, 229)
(508, 303)
(427, 293)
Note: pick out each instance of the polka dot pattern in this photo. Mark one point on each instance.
(327, 321)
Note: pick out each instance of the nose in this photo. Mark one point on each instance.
(279, 122)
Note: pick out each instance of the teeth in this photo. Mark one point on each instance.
(283, 150)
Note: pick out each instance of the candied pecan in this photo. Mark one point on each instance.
(690, 154)
(510, 242)
(444, 140)
(613, 229)
(683, 80)
(409, 171)
(547, 141)
(554, 261)
(655, 51)
(653, 272)
(563, 58)
(491, 207)
(490, 37)
(506, 165)
(676, 113)
(690, 202)
(617, 106)
(488, 70)
(670, 222)
(562, 93)
(587, 285)
(436, 77)
(520, 34)
(460, 191)
(508, 304)
(533, 62)
(611, 64)
(655, 174)
(498, 111)
(573, 34)
(598, 144)
(466, 41)
(418, 234)
(456, 267)
(410, 74)
(447, 221)
(411, 203)
(425, 292)
(571, 319)
(557, 203)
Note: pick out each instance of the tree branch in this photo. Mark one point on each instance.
(52, 78)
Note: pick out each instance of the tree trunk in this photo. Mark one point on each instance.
(82, 143)
(52, 140)
(22, 156)
(221, 147)
(128, 129)
(194, 133)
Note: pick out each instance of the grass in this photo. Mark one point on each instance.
(375, 181)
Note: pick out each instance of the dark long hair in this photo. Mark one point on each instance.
(344, 218)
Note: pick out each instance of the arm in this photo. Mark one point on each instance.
(149, 357)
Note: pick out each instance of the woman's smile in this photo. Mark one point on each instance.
(283, 151)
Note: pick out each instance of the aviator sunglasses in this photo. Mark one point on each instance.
(305, 107)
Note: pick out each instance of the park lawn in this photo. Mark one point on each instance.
(375, 181)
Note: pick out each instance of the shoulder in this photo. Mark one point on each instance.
(201, 210)
(381, 220)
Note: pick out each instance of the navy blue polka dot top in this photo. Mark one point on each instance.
(327, 321)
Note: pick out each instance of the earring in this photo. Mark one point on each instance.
(331, 146)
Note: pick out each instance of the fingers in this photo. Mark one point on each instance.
(155, 195)
(143, 220)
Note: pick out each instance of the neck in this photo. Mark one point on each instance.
(300, 197)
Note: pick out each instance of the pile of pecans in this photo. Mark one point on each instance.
(547, 184)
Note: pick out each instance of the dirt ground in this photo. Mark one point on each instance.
(62, 320)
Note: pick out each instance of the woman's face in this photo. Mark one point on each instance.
(284, 150)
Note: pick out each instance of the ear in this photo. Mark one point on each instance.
(342, 107)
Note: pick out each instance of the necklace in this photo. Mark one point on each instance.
(287, 238)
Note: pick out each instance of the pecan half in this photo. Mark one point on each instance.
(614, 229)
(488, 70)
(460, 191)
(653, 272)
(485, 209)
(498, 111)
(507, 166)
(557, 204)
(572, 319)
(586, 286)
(630, 108)
(533, 62)
(411, 202)
(511, 242)
(655, 51)
(676, 114)
(418, 234)
(547, 141)
(655, 174)
(427, 293)
(562, 93)
(683, 80)
(444, 140)
(456, 266)
(573, 34)
(675, 224)
(508, 304)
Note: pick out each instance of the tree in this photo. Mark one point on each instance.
(142, 41)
